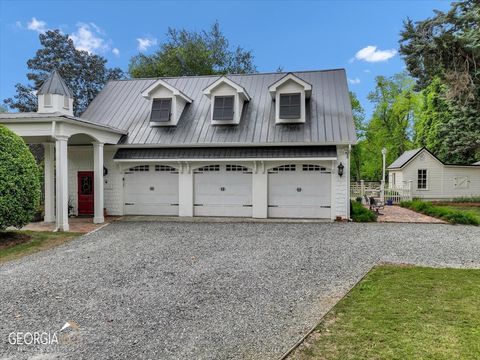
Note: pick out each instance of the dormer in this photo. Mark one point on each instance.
(227, 99)
(55, 96)
(290, 94)
(166, 103)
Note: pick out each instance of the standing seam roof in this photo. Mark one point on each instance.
(328, 112)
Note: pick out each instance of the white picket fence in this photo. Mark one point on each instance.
(380, 190)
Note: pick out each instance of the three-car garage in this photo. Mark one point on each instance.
(293, 190)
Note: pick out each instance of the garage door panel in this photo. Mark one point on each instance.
(298, 191)
(222, 192)
(151, 192)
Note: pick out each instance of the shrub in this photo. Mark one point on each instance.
(19, 181)
(453, 216)
(361, 213)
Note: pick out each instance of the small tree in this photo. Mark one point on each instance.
(19, 181)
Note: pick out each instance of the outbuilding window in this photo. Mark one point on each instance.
(290, 106)
(161, 110)
(223, 108)
(422, 179)
(66, 102)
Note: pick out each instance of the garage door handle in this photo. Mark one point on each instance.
(173, 204)
(247, 205)
(272, 205)
(129, 204)
(197, 204)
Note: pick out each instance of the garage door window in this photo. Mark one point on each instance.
(282, 168)
(209, 168)
(140, 168)
(312, 167)
(237, 168)
(165, 168)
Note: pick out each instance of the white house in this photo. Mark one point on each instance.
(430, 178)
(260, 145)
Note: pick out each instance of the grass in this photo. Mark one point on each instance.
(402, 313)
(450, 213)
(361, 213)
(32, 242)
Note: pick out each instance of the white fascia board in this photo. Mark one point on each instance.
(239, 89)
(146, 93)
(61, 119)
(227, 159)
(306, 86)
(240, 144)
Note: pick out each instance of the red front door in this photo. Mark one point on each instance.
(85, 192)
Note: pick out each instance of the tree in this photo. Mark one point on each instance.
(19, 181)
(391, 125)
(356, 154)
(193, 53)
(84, 73)
(443, 54)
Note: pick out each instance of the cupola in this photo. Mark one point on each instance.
(55, 96)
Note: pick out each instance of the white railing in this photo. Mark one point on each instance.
(395, 193)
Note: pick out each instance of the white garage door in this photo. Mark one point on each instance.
(299, 191)
(151, 190)
(223, 190)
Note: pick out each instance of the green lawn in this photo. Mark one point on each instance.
(475, 210)
(402, 313)
(39, 240)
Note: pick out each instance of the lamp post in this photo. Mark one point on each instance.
(384, 153)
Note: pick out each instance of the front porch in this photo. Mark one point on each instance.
(76, 225)
(57, 132)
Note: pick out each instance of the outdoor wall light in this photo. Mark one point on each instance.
(340, 169)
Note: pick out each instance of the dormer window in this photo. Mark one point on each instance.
(290, 106)
(227, 101)
(161, 110)
(168, 103)
(47, 100)
(290, 94)
(66, 102)
(223, 108)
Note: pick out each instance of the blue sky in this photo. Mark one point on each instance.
(360, 36)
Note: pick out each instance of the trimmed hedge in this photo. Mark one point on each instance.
(19, 181)
(451, 215)
(361, 213)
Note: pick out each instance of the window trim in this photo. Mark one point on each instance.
(426, 180)
(290, 106)
(49, 103)
(223, 118)
(170, 100)
(66, 102)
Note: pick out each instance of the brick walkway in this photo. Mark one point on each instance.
(398, 214)
(81, 225)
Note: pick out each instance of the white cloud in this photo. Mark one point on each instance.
(145, 43)
(371, 53)
(89, 37)
(39, 26)
(354, 81)
(366, 70)
(115, 51)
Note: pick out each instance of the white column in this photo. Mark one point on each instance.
(185, 191)
(49, 179)
(62, 182)
(260, 192)
(98, 182)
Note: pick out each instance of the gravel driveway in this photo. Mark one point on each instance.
(152, 290)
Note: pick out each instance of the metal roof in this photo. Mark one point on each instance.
(328, 121)
(54, 85)
(404, 158)
(254, 152)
